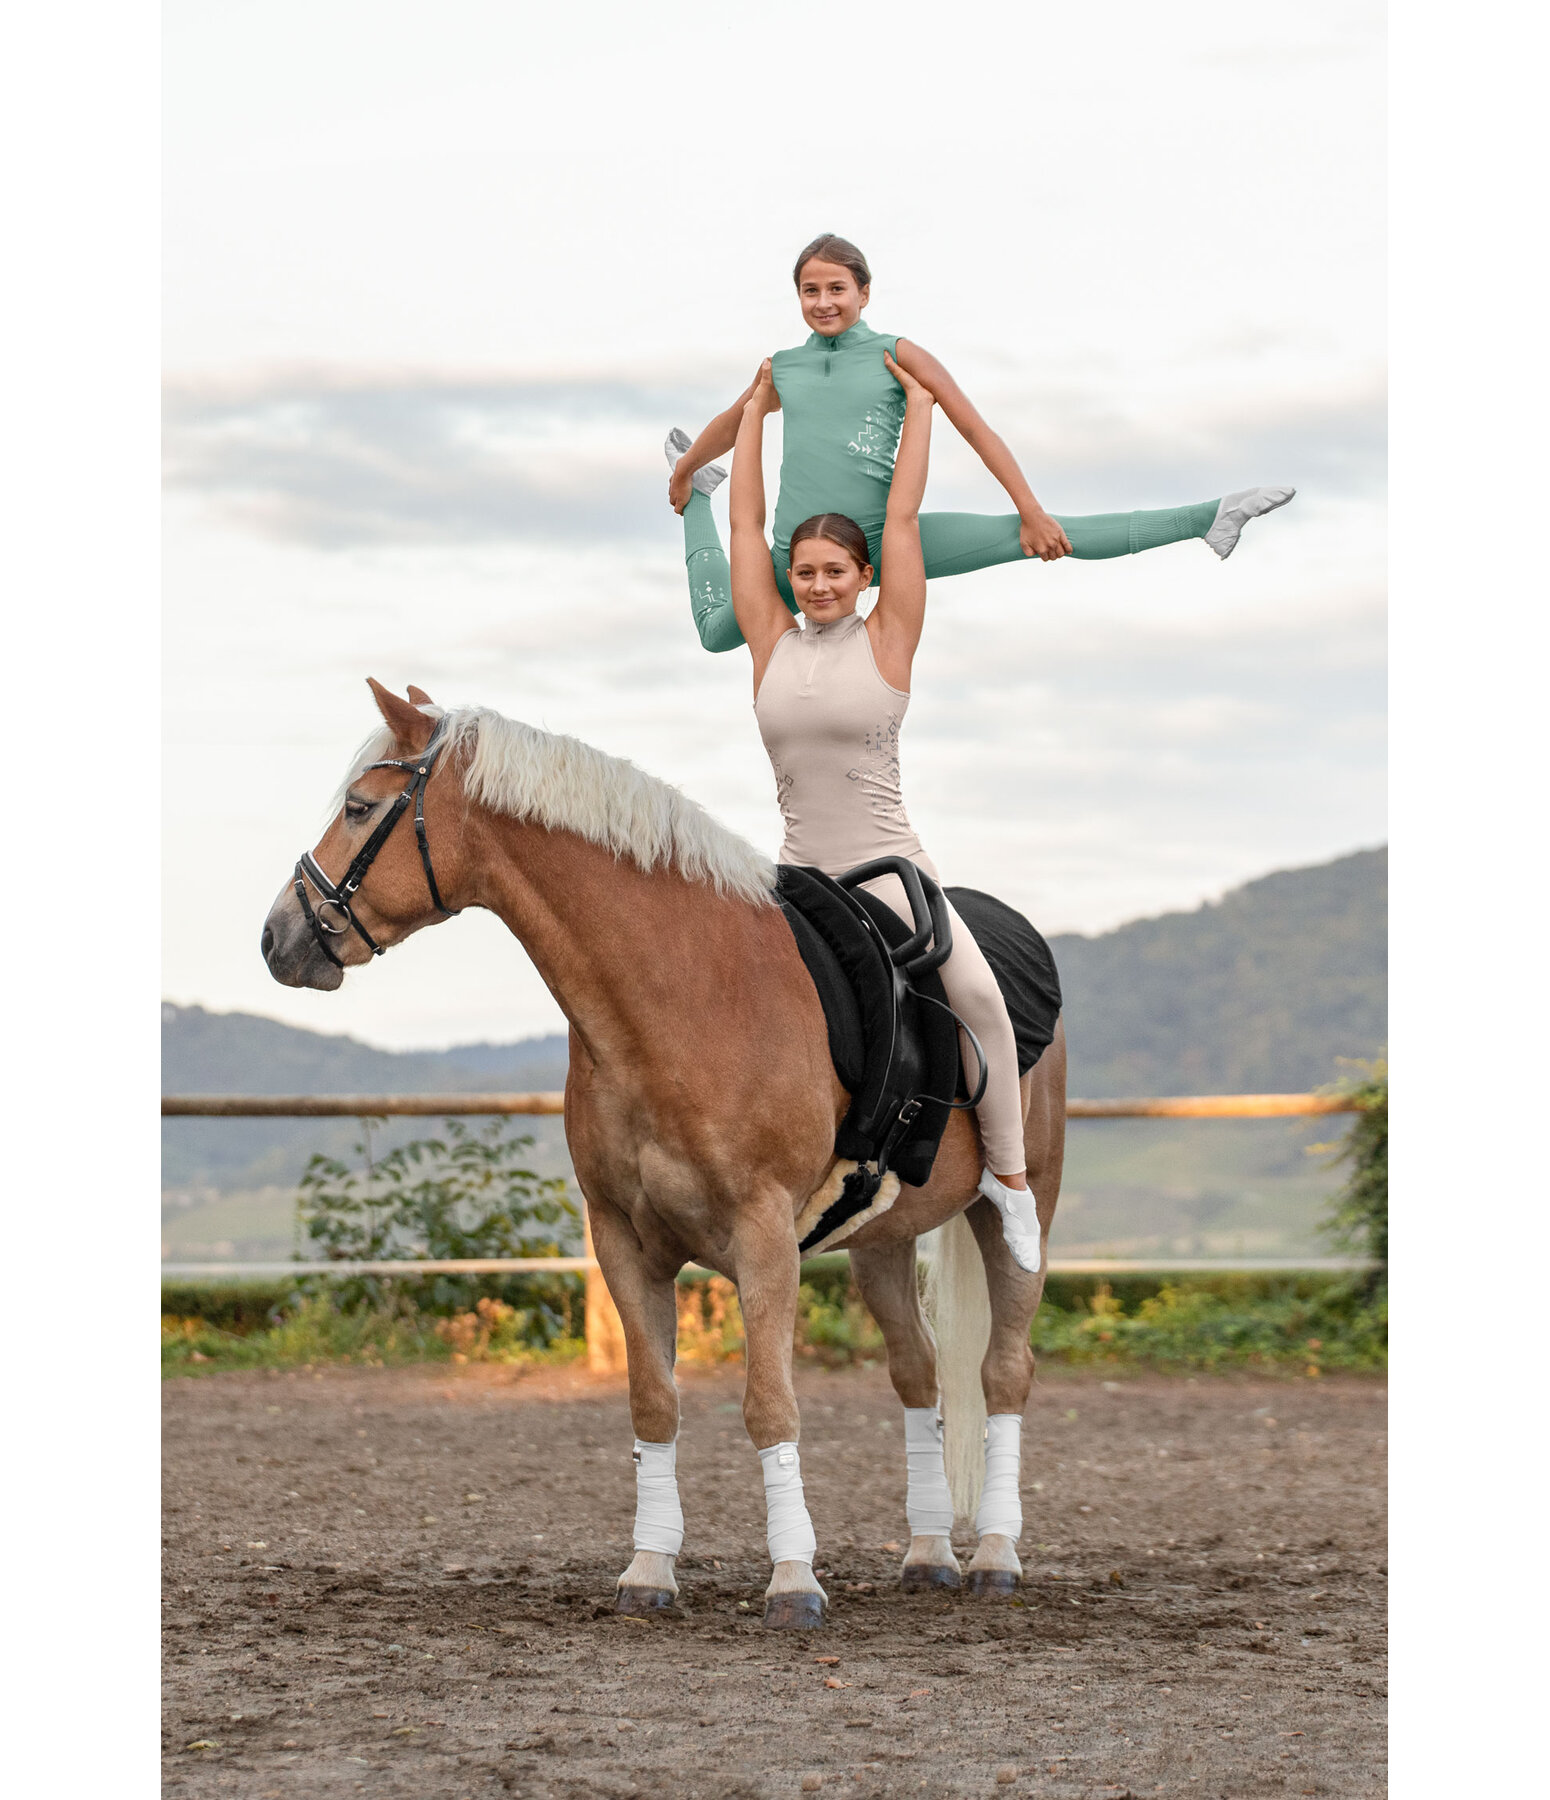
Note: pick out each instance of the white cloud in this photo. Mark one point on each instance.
(341, 456)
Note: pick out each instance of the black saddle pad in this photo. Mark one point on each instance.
(854, 998)
(1023, 966)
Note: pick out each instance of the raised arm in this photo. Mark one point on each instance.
(761, 613)
(1041, 535)
(895, 622)
(715, 440)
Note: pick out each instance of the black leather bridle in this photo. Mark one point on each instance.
(337, 899)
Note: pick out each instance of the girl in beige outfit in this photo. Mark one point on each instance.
(830, 698)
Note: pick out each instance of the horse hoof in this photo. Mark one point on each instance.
(993, 1582)
(639, 1602)
(917, 1577)
(793, 1612)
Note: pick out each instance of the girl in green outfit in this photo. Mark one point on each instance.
(843, 414)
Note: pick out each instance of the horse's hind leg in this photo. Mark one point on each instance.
(886, 1278)
(1007, 1369)
(648, 1311)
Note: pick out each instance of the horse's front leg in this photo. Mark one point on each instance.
(647, 1302)
(766, 1268)
(888, 1284)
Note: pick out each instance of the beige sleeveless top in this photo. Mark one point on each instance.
(831, 726)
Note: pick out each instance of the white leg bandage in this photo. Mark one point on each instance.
(1001, 1508)
(659, 1519)
(927, 1502)
(791, 1536)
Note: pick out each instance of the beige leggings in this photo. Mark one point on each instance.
(973, 994)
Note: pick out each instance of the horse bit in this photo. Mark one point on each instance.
(337, 899)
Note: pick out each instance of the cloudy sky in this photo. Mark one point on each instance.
(438, 280)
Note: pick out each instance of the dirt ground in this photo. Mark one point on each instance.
(398, 1583)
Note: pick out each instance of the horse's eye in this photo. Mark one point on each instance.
(356, 809)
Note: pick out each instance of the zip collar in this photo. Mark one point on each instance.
(832, 628)
(859, 333)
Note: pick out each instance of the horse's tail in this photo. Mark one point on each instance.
(958, 1305)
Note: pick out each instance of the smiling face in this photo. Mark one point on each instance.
(826, 580)
(831, 300)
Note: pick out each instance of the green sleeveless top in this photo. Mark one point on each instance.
(842, 414)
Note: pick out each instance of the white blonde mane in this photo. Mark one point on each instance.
(566, 785)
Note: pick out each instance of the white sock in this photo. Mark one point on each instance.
(927, 1503)
(788, 1528)
(1019, 1219)
(659, 1519)
(1001, 1507)
(1233, 512)
(704, 481)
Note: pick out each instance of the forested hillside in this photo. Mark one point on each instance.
(239, 1053)
(1259, 992)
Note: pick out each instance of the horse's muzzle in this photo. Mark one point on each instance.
(291, 952)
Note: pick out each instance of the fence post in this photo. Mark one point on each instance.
(604, 1328)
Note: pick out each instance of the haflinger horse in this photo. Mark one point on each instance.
(700, 1109)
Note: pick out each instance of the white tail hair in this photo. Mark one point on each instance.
(958, 1306)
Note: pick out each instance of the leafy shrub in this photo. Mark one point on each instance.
(1186, 1325)
(835, 1327)
(710, 1321)
(462, 1196)
(237, 1307)
(496, 1332)
(312, 1331)
(1358, 1219)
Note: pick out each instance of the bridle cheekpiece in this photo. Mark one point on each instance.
(336, 900)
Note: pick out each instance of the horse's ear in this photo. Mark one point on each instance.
(406, 721)
(419, 696)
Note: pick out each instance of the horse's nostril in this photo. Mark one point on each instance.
(266, 943)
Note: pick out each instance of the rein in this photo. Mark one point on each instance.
(337, 899)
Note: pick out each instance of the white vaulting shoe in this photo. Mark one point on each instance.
(1234, 511)
(708, 479)
(1019, 1220)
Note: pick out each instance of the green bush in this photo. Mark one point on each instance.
(462, 1196)
(1311, 1324)
(1358, 1220)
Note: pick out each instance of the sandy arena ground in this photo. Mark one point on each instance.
(398, 1583)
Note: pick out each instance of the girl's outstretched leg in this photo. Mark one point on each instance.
(957, 543)
(710, 578)
(1097, 536)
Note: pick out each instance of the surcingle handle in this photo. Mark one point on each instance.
(928, 907)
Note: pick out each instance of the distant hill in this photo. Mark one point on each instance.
(241, 1053)
(1258, 992)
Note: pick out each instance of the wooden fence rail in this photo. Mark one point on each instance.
(423, 1106)
(605, 1336)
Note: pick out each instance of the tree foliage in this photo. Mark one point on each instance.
(464, 1195)
(1358, 1219)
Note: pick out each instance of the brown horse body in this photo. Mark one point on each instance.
(700, 1109)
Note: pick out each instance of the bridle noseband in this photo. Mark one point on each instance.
(337, 899)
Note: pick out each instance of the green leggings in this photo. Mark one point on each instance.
(952, 544)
